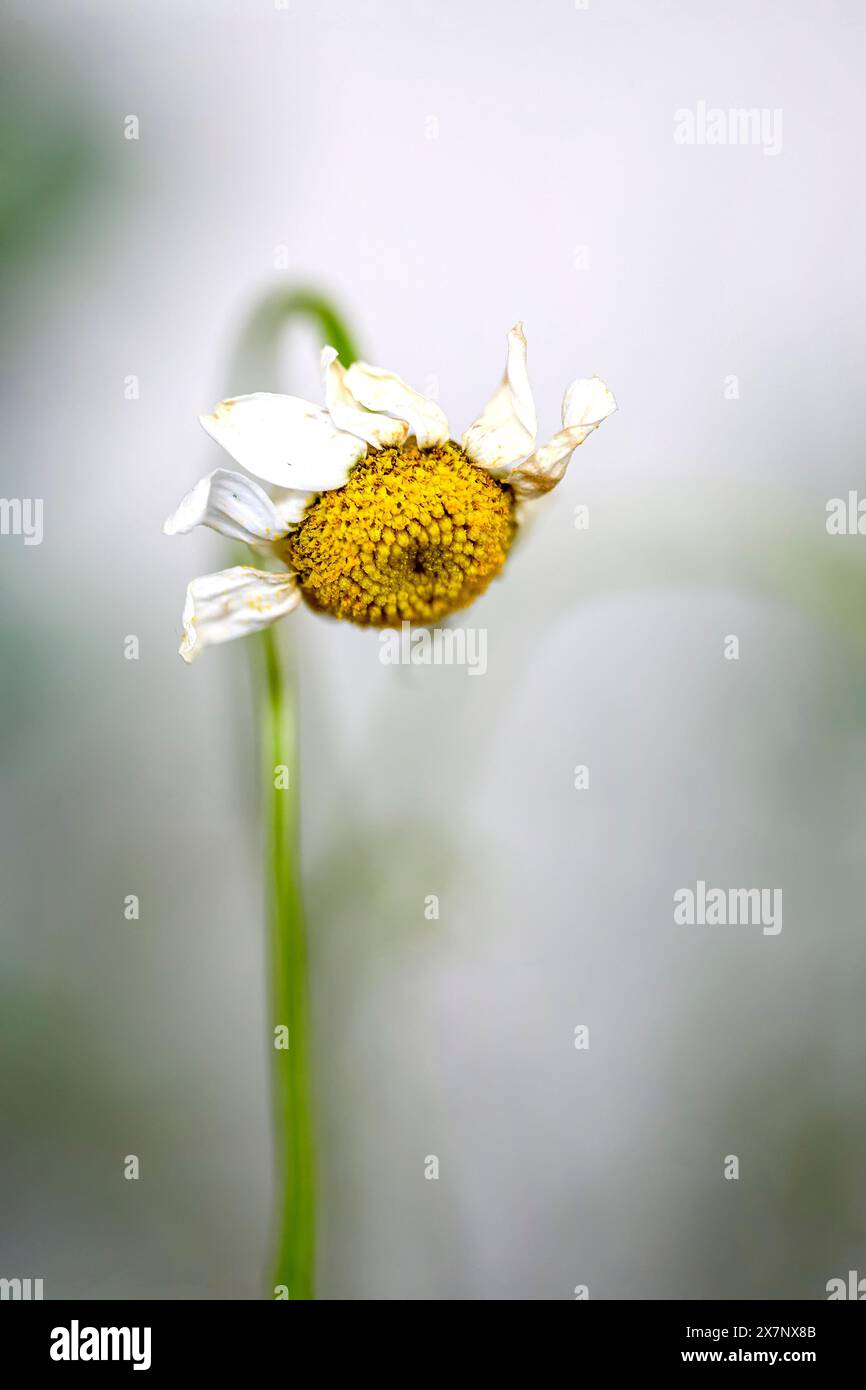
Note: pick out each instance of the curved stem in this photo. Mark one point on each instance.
(295, 1219)
(255, 365)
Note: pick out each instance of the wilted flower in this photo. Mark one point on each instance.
(374, 512)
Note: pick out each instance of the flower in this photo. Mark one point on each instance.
(375, 514)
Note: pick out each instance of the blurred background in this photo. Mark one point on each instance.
(441, 170)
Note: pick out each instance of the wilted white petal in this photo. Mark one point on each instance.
(284, 440)
(587, 402)
(383, 391)
(233, 603)
(585, 405)
(380, 431)
(504, 433)
(231, 504)
(290, 506)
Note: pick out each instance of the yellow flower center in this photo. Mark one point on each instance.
(414, 534)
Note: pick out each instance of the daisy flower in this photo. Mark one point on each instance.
(374, 513)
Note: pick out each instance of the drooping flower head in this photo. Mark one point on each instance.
(374, 513)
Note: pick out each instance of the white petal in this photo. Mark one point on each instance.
(284, 440)
(290, 506)
(232, 604)
(504, 433)
(585, 405)
(383, 391)
(587, 402)
(380, 431)
(231, 504)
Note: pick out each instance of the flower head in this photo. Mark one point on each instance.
(374, 513)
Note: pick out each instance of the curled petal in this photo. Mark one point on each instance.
(290, 506)
(231, 504)
(587, 401)
(233, 603)
(385, 392)
(285, 440)
(504, 433)
(380, 431)
(585, 405)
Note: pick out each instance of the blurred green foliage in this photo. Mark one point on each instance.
(49, 157)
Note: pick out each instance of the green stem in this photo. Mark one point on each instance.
(295, 1223)
(293, 1126)
(255, 366)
